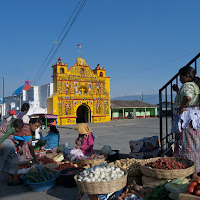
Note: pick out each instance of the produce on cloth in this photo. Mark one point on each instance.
(51, 166)
(91, 156)
(38, 175)
(45, 160)
(102, 172)
(158, 193)
(167, 164)
(193, 187)
(60, 167)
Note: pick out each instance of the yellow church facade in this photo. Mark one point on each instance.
(80, 94)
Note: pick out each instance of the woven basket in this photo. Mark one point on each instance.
(91, 162)
(102, 187)
(132, 165)
(168, 174)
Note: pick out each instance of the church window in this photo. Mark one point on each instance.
(97, 91)
(101, 74)
(62, 70)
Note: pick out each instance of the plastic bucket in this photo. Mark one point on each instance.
(114, 157)
(67, 180)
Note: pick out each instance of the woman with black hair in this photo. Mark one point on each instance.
(186, 125)
(24, 137)
(23, 114)
(51, 140)
(8, 156)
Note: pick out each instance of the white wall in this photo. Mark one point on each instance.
(36, 97)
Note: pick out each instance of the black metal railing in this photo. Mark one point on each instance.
(166, 137)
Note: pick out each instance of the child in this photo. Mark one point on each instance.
(85, 140)
(52, 139)
(12, 114)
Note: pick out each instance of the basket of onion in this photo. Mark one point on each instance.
(101, 179)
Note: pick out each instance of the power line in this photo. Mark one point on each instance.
(159, 65)
(38, 76)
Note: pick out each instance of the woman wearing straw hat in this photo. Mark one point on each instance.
(85, 140)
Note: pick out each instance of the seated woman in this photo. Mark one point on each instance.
(85, 140)
(52, 139)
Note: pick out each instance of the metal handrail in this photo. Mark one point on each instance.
(167, 138)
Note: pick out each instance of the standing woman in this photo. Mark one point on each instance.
(24, 137)
(23, 114)
(187, 121)
(8, 156)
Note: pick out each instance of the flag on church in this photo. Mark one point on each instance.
(79, 45)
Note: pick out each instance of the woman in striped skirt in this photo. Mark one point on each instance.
(186, 123)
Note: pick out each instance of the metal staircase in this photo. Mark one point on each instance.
(165, 96)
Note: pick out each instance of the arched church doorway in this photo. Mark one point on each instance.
(83, 114)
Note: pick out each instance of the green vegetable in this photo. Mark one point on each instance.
(46, 174)
(52, 175)
(32, 178)
(177, 186)
(40, 172)
(173, 196)
(40, 179)
(158, 193)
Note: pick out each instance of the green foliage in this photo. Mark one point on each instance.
(158, 193)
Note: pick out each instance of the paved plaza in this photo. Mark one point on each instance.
(116, 133)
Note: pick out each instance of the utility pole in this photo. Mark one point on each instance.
(142, 97)
(2, 110)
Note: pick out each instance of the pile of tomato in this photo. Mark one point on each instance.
(45, 160)
(164, 163)
(194, 187)
(65, 166)
(93, 156)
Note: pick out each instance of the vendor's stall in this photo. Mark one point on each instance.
(159, 178)
(47, 119)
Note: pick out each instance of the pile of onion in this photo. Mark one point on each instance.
(102, 172)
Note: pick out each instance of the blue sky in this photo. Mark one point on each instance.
(141, 44)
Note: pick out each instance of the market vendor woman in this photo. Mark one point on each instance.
(8, 157)
(186, 124)
(85, 140)
(51, 141)
(24, 139)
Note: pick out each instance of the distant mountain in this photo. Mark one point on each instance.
(151, 98)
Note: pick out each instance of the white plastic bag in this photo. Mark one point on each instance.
(75, 153)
